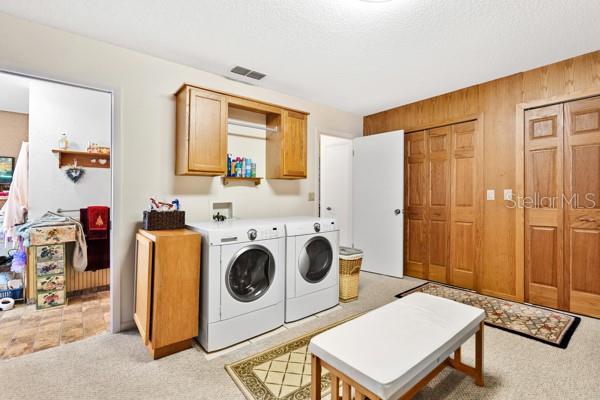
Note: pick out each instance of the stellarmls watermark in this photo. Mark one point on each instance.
(537, 200)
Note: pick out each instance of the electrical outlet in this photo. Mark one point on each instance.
(311, 196)
(491, 194)
(507, 194)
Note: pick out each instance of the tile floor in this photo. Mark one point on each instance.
(25, 330)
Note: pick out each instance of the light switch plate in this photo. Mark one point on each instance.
(311, 196)
(491, 194)
(507, 194)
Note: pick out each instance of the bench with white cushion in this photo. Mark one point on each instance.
(393, 351)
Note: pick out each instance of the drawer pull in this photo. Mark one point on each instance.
(586, 219)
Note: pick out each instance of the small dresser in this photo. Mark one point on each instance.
(167, 289)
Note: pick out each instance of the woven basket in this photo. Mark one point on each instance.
(349, 277)
(161, 220)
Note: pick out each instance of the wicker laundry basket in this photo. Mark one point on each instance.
(350, 262)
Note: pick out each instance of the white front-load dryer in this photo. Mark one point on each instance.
(242, 281)
(312, 266)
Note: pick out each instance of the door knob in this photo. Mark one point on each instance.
(397, 211)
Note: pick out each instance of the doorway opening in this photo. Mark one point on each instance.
(55, 213)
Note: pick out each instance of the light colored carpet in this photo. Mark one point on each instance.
(118, 367)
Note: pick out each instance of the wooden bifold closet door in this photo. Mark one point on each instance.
(442, 204)
(562, 223)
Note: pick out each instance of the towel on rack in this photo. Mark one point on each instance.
(98, 241)
(98, 218)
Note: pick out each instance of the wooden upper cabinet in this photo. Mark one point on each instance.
(201, 132)
(287, 145)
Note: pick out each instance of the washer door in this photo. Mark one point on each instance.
(315, 259)
(250, 273)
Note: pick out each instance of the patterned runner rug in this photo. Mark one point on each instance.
(545, 325)
(281, 372)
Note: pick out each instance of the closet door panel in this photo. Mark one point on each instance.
(416, 183)
(440, 141)
(464, 204)
(582, 208)
(543, 209)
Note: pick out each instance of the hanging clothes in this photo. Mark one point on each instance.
(96, 225)
(15, 208)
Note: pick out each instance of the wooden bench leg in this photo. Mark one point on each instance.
(335, 386)
(479, 356)
(457, 356)
(315, 385)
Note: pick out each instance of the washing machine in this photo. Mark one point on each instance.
(242, 280)
(312, 266)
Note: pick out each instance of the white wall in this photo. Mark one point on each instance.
(85, 115)
(144, 150)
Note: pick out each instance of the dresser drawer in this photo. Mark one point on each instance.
(52, 235)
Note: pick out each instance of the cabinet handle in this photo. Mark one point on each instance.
(586, 219)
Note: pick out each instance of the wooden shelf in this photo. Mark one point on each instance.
(83, 158)
(227, 179)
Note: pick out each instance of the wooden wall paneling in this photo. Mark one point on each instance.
(502, 101)
(543, 210)
(416, 183)
(498, 272)
(465, 204)
(582, 206)
(438, 205)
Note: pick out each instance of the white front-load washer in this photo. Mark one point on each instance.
(312, 266)
(242, 280)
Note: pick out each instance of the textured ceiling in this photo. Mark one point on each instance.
(358, 56)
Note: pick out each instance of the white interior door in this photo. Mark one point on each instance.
(378, 201)
(336, 184)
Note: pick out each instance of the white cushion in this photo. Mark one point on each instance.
(390, 349)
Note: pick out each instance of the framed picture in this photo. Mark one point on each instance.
(7, 167)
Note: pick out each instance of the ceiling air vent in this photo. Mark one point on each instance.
(248, 73)
(256, 75)
(241, 70)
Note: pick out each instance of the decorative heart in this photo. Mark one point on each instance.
(75, 173)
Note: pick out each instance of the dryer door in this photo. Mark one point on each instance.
(317, 258)
(250, 273)
(250, 277)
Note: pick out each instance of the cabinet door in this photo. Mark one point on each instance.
(207, 136)
(543, 211)
(294, 144)
(143, 285)
(582, 206)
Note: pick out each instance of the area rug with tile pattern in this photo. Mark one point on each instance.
(545, 325)
(280, 373)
